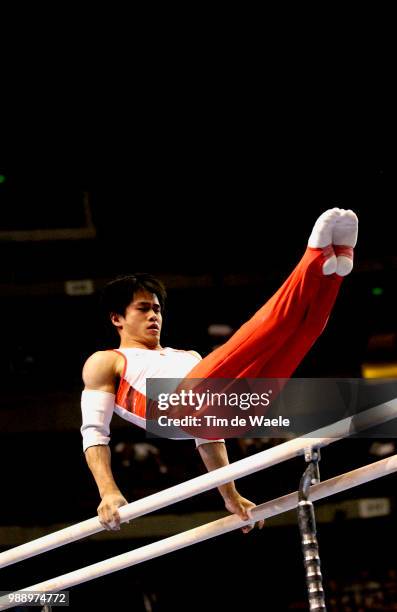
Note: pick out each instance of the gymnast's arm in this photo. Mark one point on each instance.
(100, 374)
(214, 456)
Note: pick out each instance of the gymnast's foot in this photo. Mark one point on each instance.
(344, 239)
(322, 238)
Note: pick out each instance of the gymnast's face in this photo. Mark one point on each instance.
(141, 324)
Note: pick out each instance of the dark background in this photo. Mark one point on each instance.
(222, 222)
(207, 157)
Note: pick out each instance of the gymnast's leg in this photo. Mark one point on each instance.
(275, 340)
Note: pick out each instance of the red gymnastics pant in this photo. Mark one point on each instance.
(273, 343)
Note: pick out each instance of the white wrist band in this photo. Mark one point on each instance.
(97, 410)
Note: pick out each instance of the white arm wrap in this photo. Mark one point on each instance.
(200, 441)
(97, 410)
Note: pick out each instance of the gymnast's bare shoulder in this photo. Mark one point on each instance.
(102, 371)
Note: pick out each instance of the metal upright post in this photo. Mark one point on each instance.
(307, 527)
